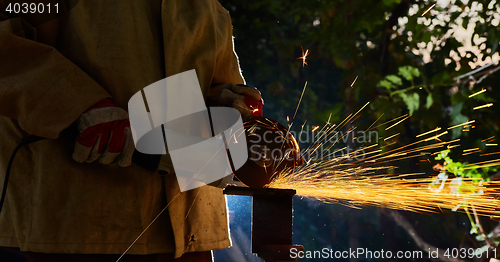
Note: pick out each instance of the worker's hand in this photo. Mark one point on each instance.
(245, 99)
(104, 135)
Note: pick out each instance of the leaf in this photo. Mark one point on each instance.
(408, 72)
(414, 71)
(412, 101)
(443, 154)
(395, 79)
(429, 101)
(403, 71)
(457, 118)
(386, 84)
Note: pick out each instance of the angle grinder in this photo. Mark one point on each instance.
(271, 149)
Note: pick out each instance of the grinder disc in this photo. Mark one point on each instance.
(271, 149)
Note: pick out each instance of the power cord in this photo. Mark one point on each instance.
(24, 141)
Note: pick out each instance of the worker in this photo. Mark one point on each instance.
(76, 196)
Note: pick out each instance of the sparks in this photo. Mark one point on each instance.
(428, 9)
(365, 176)
(487, 139)
(473, 152)
(463, 124)
(397, 123)
(494, 153)
(436, 136)
(483, 106)
(477, 93)
(352, 84)
(300, 100)
(391, 137)
(409, 192)
(432, 131)
(304, 56)
(491, 144)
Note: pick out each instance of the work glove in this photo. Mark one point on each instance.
(105, 135)
(245, 99)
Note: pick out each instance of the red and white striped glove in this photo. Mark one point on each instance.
(104, 135)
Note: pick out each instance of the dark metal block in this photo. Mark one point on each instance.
(271, 215)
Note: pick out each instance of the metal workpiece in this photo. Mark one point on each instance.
(272, 215)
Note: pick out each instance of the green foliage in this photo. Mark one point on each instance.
(459, 169)
(409, 72)
(477, 175)
(412, 101)
(394, 83)
(381, 44)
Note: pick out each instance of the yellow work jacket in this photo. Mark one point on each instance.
(50, 73)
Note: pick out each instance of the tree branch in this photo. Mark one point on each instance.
(481, 230)
(402, 222)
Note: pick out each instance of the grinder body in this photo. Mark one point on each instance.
(271, 150)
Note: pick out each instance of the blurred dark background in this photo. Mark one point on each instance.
(402, 60)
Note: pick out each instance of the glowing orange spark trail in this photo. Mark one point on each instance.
(395, 119)
(375, 122)
(477, 93)
(483, 106)
(391, 137)
(494, 153)
(398, 123)
(463, 124)
(298, 104)
(428, 132)
(473, 152)
(486, 140)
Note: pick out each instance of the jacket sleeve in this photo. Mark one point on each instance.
(227, 69)
(39, 87)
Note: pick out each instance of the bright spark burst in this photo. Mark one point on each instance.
(304, 56)
(371, 181)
